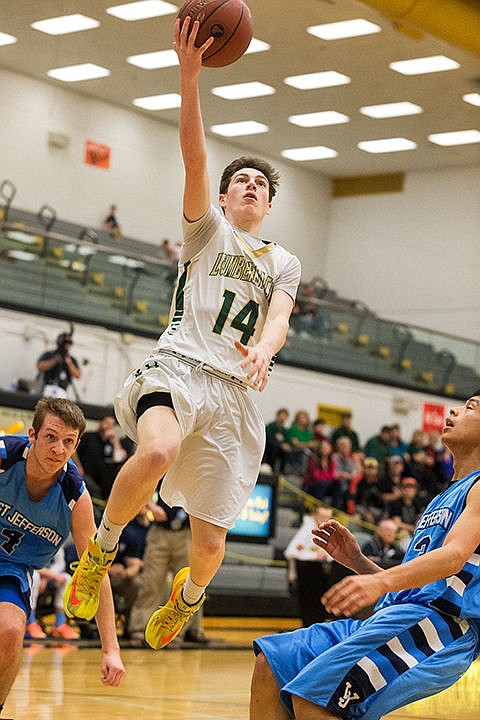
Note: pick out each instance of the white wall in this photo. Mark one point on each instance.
(413, 256)
(110, 359)
(146, 175)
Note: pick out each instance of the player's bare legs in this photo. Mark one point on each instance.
(159, 439)
(208, 549)
(12, 630)
(265, 703)
(305, 710)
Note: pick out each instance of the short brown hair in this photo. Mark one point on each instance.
(272, 175)
(65, 410)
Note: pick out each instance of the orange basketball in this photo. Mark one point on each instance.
(228, 21)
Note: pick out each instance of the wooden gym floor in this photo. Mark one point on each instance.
(61, 681)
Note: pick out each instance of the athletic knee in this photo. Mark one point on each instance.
(211, 546)
(157, 458)
(12, 630)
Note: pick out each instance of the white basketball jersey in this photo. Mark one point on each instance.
(223, 291)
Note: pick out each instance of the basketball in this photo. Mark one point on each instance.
(230, 23)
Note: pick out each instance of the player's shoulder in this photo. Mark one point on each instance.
(13, 448)
(72, 483)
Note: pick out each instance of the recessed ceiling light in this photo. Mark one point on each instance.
(316, 119)
(319, 152)
(243, 90)
(472, 98)
(311, 81)
(142, 10)
(344, 29)
(6, 39)
(257, 46)
(459, 137)
(387, 110)
(168, 101)
(236, 129)
(154, 60)
(65, 24)
(387, 145)
(74, 73)
(420, 66)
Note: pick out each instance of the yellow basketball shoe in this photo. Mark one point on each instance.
(82, 593)
(168, 620)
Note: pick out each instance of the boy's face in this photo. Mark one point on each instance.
(247, 194)
(53, 445)
(462, 426)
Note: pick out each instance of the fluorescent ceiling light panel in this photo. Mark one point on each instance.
(344, 29)
(236, 129)
(472, 98)
(142, 10)
(256, 46)
(311, 81)
(387, 145)
(6, 39)
(420, 66)
(65, 24)
(154, 60)
(459, 137)
(388, 110)
(317, 119)
(318, 152)
(243, 90)
(168, 101)
(75, 73)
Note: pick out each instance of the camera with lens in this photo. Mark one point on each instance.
(64, 341)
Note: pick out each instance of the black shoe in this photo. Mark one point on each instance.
(195, 637)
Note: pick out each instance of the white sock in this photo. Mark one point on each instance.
(108, 533)
(191, 592)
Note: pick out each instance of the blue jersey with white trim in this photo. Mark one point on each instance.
(459, 594)
(31, 533)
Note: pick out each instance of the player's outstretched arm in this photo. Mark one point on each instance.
(83, 527)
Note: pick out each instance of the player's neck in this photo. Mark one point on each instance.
(463, 466)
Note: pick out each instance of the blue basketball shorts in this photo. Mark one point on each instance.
(11, 591)
(366, 669)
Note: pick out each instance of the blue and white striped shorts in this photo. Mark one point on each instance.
(365, 669)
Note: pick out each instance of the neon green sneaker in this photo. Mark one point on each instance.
(167, 621)
(82, 593)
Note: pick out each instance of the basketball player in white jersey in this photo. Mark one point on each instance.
(189, 406)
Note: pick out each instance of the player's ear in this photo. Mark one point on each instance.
(221, 199)
(31, 434)
(268, 208)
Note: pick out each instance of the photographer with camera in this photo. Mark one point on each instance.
(58, 368)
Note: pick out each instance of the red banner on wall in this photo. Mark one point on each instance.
(97, 154)
(433, 417)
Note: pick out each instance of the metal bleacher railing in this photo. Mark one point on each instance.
(81, 274)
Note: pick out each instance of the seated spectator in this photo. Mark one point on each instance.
(300, 437)
(389, 481)
(319, 430)
(277, 444)
(345, 430)
(382, 548)
(110, 224)
(319, 478)
(308, 316)
(345, 469)
(365, 500)
(397, 445)
(378, 446)
(406, 509)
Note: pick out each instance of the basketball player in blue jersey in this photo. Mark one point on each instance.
(189, 406)
(42, 499)
(425, 630)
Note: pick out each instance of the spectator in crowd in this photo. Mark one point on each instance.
(319, 430)
(308, 317)
(345, 469)
(319, 479)
(277, 445)
(169, 252)
(406, 510)
(397, 445)
(345, 430)
(126, 570)
(57, 368)
(110, 224)
(389, 482)
(100, 455)
(55, 578)
(300, 436)
(167, 550)
(378, 446)
(365, 499)
(309, 567)
(382, 548)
